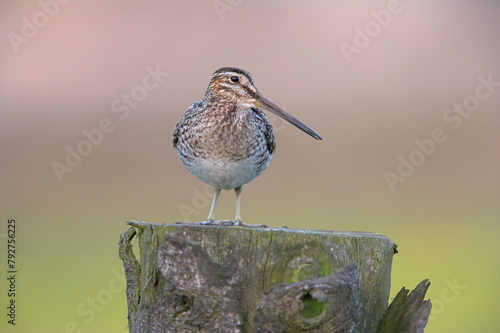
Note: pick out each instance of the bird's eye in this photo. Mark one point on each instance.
(234, 79)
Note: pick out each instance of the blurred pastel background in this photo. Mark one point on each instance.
(65, 68)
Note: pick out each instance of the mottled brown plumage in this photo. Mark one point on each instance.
(225, 139)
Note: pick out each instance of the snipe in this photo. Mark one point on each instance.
(225, 139)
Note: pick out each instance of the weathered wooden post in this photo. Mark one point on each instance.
(236, 279)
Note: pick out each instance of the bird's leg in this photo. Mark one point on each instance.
(237, 220)
(237, 190)
(211, 216)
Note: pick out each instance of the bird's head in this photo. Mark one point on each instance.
(234, 85)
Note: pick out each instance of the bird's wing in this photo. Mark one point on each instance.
(187, 117)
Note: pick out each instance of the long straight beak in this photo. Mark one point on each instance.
(265, 103)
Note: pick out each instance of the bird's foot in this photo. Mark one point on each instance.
(190, 223)
(209, 222)
(220, 222)
(239, 223)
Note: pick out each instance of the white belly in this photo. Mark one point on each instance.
(225, 174)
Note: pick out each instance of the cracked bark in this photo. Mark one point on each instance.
(237, 279)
